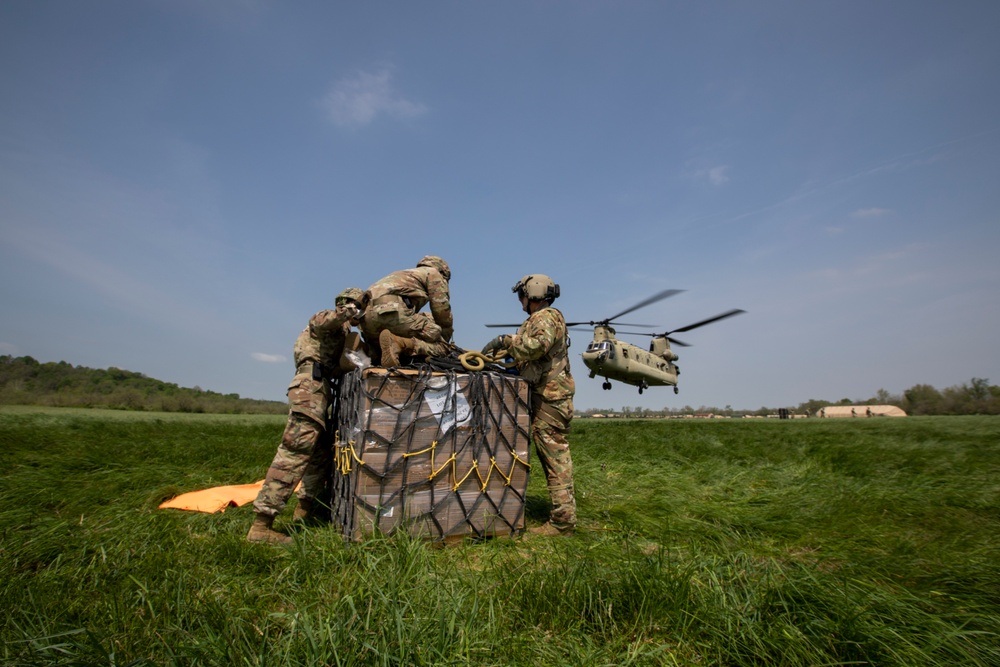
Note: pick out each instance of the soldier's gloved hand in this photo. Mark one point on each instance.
(501, 342)
(350, 310)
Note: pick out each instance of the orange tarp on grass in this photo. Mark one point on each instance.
(216, 499)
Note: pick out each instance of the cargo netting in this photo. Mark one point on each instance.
(435, 453)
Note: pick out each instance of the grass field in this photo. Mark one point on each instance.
(727, 542)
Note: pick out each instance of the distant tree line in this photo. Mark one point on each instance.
(26, 381)
(976, 397)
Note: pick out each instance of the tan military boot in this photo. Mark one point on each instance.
(393, 347)
(390, 350)
(303, 510)
(262, 531)
(548, 530)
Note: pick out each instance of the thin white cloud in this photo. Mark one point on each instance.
(356, 100)
(870, 212)
(886, 269)
(813, 188)
(268, 358)
(718, 175)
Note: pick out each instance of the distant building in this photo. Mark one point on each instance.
(860, 411)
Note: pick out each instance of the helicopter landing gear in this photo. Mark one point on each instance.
(642, 386)
(676, 390)
(606, 386)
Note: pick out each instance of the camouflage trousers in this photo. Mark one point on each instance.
(304, 454)
(421, 348)
(421, 327)
(550, 425)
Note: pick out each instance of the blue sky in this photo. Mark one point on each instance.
(182, 184)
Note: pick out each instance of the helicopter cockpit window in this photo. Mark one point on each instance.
(602, 346)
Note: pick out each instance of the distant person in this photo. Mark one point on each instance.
(540, 349)
(392, 324)
(304, 454)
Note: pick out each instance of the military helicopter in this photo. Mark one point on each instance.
(615, 359)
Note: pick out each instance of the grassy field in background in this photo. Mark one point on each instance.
(726, 542)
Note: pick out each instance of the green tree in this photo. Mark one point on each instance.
(979, 389)
(812, 406)
(922, 399)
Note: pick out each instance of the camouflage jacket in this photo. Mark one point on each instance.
(418, 287)
(323, 340)
(541, 349)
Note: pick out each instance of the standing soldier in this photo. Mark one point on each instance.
(392, 324)
(303, 454)
(540, 349)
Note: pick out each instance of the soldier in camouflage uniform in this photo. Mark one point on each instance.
(393, 326)
(540, 348)
(303, 455)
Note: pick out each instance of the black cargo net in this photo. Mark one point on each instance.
(435, 453)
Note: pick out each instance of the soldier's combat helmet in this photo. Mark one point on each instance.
(536, 287)
(350, 294)
(436, 262)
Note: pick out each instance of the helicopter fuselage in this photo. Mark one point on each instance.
(614, 359)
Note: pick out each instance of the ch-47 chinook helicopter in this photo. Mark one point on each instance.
(615, 359)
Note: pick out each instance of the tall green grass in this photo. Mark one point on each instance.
(702, 543)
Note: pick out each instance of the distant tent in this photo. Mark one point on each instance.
(860, 411)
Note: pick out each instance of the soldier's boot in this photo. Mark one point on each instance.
(304, 510)
(393, 347)
(312, 512)
(549, 530)
(262, 531)
(562, 520)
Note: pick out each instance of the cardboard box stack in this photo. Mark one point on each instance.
(439, 455)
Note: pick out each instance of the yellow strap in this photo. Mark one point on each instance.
(345, 452)
(430, 449)
(454, 475)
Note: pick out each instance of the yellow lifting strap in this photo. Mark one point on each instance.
(343, 453)
(453, 460)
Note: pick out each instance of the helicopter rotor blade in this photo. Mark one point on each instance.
(503, 326)
(624, 324)
(594, 323)
(666, 334)
(659, 296)
(721, 316)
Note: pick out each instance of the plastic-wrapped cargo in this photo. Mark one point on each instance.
(438, 454)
